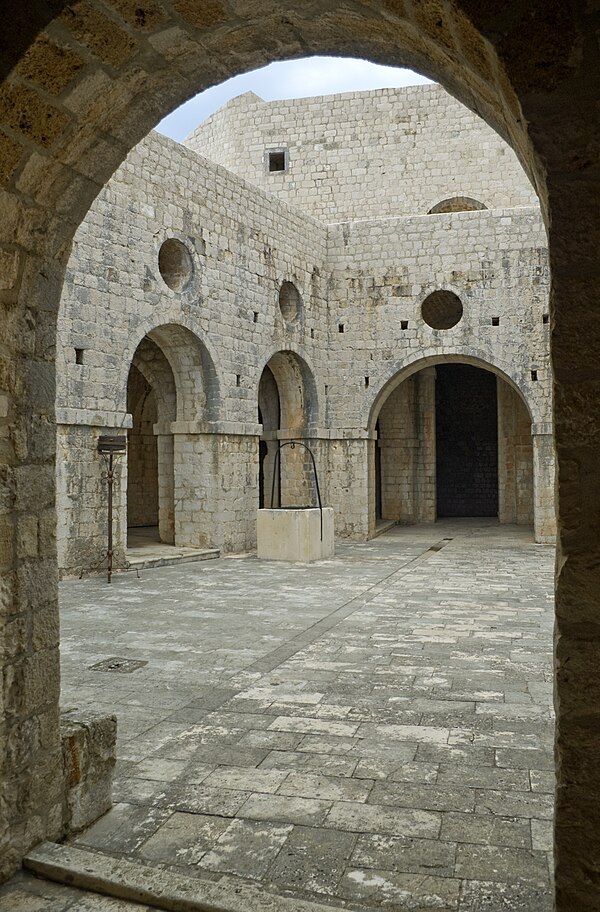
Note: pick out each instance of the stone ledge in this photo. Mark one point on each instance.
(89, 753)
(165, 890)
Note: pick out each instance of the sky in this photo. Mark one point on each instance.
(289, 79)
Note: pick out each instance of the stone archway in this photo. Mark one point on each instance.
(86, 82)
(288, 409)
(406, 412)
(152, 403)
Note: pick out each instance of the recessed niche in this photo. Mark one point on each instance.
(442, 309)
(175, 264)
(289, 302)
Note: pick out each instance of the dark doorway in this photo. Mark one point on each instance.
(466, 441)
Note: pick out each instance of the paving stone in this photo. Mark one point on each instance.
(184, 838)
(247, 848)
(370, 818)
(515, 804)
(202, 799)
(402, 853)
(312, 859)
(308, 811)
(390, 769)
(484, 777)
(351, 703)
(501, 863)
(542, 835)
(401, 794)
(504, 897)
(310, 726)
(333, 788)
(249, 780)
(486, 830)
(409, 892)
(124, 828)
(310, 762)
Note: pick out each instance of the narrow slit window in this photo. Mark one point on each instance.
(238, 379)
(341, 327)
(366, 382)
(545, 319)
(534, 375)
(256, 316)
(79, 355)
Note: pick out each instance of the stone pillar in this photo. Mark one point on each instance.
(347, 481)
(543, 484)
(166, 489)
(515, 458)
(215, 484)
(425, 481)
(31, 782)
(196, 489)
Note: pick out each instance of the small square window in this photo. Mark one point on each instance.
(495, 321)
(341, 327)
(403, 324)
(277, 160)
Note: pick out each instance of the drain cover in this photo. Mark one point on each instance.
(122, 666)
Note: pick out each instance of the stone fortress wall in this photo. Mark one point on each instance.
(200, 291)
(379, 154)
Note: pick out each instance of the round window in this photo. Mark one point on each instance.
(175, 264)
(442, 309)
(289, 302)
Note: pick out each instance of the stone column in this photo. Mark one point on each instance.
(544, 511)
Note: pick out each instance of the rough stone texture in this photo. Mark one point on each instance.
(249, 254)
(88, 745)
(530, 69)
(381, 735)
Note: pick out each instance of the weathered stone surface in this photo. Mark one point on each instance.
(88, 744)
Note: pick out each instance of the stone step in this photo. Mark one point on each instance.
(137, 560)
(136, 882)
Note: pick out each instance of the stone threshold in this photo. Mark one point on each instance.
(145, 558)
(161, 889)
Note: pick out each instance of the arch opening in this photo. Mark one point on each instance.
(152, 404)
(287, 408)
(453, 440)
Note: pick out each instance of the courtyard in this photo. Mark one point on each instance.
(370, 731)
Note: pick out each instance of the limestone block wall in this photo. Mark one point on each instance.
(515, 458)
(382, 271)
(189, 257)
(217, 332)
(383, 153)
(82, 497)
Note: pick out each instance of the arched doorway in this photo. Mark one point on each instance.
(287, 409)
(152, 404)
(454, 440)
(531, 72)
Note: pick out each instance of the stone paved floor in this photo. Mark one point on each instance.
(370, 731)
